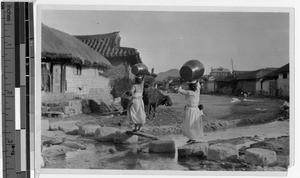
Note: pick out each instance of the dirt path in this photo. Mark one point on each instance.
(220, 112)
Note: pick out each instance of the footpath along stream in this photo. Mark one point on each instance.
(127, 157)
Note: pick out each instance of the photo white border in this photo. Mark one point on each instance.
(157, 6)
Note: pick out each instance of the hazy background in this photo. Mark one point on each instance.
(165, 40)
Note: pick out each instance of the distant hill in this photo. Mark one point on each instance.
(163, 75)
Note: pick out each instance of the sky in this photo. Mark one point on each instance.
(167, 39)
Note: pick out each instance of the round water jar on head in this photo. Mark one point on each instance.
(192, 70)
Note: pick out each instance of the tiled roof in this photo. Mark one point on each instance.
(109, 46)
(62, 47)
(228, 78)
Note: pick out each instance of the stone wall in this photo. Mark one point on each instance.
(88, 85)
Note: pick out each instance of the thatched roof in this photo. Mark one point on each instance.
(109, 46)
(58, 46)
(257, 74)
(228, 78)
(281, 70)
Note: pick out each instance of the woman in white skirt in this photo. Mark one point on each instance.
(192, 116)
(136, 110)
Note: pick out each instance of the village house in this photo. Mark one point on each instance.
(209, 85)
(209, 81)
(251, 81)
(226, 85)
(108, 45)
(71, 69)
(276, 83)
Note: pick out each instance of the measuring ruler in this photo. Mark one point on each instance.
(17, 84)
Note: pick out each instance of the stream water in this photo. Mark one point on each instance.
(97, 156)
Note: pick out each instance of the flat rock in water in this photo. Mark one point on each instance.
(74, 145)
(68, 126)
(88, 130)
(162, 146)
(56, 150)
(123, 138)
(193, 150)
(260, 157)
(222, 151)
(105, 134)
(49, 141)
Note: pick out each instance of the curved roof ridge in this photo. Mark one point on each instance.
(104, 35)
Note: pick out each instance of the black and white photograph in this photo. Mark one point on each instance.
(165, 89)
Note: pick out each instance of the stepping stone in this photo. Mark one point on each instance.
(56, 150)
(224, 151)
(105, 134)
(260, 157)
(88, 130)
(193, 150)
(49, 141)
(123, 138)
(68, 127)
(162, 146)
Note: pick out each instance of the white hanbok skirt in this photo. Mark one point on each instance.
(136, 112)
(192, 126)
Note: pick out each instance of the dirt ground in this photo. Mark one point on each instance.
(220, 112)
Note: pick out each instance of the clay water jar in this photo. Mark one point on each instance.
(192, 70)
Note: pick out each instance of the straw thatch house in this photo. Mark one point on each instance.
(70, 68)
(277, 82)
(251, 81)
(108, 45)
